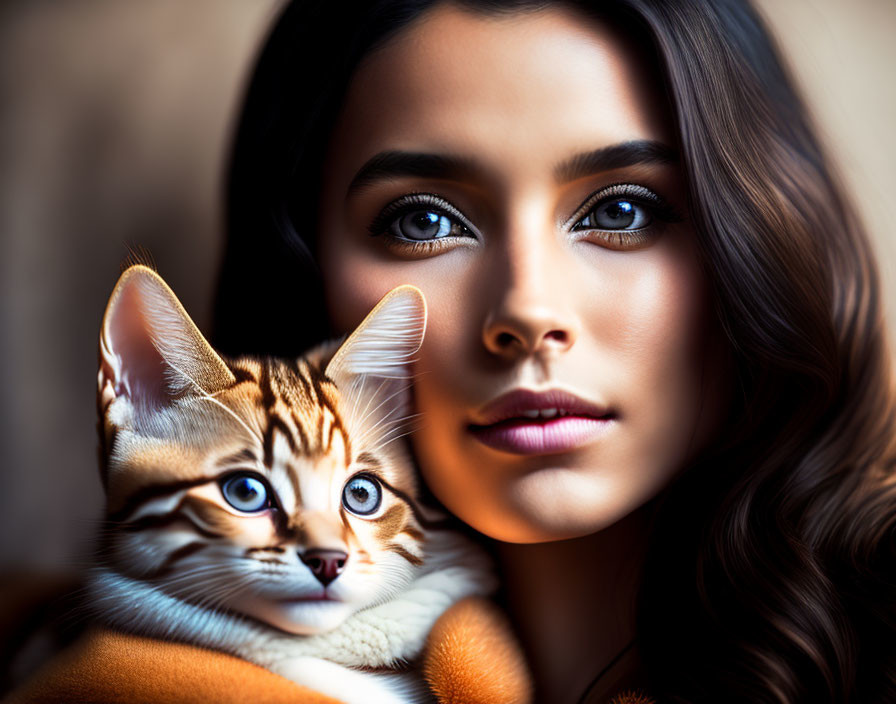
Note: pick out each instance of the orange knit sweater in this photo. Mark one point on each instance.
(471, 657)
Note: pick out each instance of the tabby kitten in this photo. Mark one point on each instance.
(267, 508)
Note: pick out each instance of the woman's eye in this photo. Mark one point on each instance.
(420, 221)
(623, 217)
(246, 493)
(362, 495)
(616, 214)
(420, 225)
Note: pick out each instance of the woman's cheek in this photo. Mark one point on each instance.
(352, 288)
(665, 349)
(357, 276)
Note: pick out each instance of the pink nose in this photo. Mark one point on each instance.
(326, 565)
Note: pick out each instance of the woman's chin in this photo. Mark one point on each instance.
(554, 504)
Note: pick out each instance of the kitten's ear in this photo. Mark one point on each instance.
(150, 350)
(385, 342)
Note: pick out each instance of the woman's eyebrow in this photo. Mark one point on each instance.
(615, 156)
(392, 164)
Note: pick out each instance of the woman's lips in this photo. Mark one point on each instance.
(528, 422)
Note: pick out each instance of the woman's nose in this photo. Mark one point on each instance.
(528, 290)
(525, 330)
(529, 317)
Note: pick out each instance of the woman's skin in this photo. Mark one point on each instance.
(533, 286)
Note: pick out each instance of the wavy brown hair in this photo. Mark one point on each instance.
(771, 575)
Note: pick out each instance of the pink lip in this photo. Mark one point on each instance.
(502, 426)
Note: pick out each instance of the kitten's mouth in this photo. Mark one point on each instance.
(310, 598)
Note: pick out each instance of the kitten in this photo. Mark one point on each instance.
(268, 508)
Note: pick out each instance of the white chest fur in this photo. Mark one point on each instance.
(387, 635)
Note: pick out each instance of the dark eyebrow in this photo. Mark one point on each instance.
(391, 164)
(615, 156)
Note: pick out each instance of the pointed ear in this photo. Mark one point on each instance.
(385, 342)
(150, 350)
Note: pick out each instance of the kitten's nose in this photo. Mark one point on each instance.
(326, 565)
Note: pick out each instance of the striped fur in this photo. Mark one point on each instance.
(177, 560)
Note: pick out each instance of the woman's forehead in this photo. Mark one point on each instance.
(518, 92)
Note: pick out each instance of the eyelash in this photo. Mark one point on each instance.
(657, 206)
(410, 203)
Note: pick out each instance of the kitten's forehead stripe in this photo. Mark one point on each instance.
(276, 423)
(331, 431)
(300, 430)
(298, 374)
(318, 381)
(241, 375)
(323, 422)
(267, 390)
(292, 473)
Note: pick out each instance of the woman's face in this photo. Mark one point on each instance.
(521, 171)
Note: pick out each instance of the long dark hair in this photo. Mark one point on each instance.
(771, 575)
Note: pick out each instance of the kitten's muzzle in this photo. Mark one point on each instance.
(326, 565)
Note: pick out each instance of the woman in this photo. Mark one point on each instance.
(655, 375)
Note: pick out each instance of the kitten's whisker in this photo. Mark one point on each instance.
(191, 575)
(371, 398)
(402, 390)
(355, 392)
(385, 421)
(391, 440)
(232, 414)
(382, 429)
(209, 593)
(398, 425)
(206, 396)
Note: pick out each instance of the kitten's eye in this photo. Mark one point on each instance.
(616, 214)
(362, 495)
(246, 493)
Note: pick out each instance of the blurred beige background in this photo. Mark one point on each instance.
(115, 117)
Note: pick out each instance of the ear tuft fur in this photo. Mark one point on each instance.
(150, 349)
(385, 342)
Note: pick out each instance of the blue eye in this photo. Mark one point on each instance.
(420, 225)
(616, 214)
(420, 217)
(246, 493)
(362, 495)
